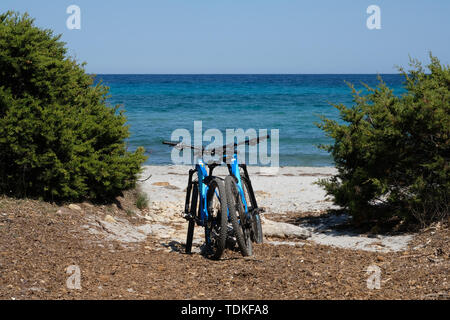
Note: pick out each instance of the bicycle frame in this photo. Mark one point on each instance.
(196, 209)
(234, 169)
(203, 176)
(201, 216)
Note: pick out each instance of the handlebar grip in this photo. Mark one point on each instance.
(170, 143)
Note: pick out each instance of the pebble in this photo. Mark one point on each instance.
(74, 207)
(109, 219)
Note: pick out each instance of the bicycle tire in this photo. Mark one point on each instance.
(216, 226)
(256, 232)
(193, 213)
(236, 208)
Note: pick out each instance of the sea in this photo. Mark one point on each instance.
(157, 105)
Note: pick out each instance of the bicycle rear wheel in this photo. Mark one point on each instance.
(238, 217)
(256, 232)
(216, 225)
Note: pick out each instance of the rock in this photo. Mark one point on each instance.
(262, 193)
(88, 205)
(74, 207)
(283, 230)
(155, 207)
(165, 185)
(161, 184)
(171, 206)
(132, 212)
(109, 219)
(154, 217)
(145, 229)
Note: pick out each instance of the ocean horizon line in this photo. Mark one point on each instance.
(240, 74)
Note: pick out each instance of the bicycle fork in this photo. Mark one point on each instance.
(190, 213)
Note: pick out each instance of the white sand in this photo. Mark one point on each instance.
(289, 189)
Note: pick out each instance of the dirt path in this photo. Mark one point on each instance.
(39, 241)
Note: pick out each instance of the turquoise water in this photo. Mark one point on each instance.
(156, 105)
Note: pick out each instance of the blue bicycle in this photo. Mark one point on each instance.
(243, 209)
(213, 203)
(205, 205)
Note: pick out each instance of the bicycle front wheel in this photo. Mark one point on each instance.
(216, 224)
(192, 214)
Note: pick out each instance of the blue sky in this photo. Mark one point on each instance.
(246, 36)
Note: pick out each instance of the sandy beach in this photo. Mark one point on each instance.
(286, 191)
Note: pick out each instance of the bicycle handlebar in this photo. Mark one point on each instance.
(233, 146)
(251, 142)
(180, 145)
(213, 151)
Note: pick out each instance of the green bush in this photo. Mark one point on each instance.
(142, 201)
(392, 152)
(58, 138)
